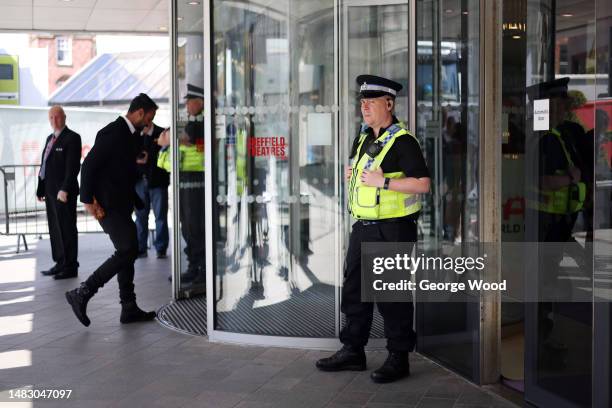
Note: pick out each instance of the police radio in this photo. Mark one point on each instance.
(374, 149)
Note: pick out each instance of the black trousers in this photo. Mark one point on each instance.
(397, 316)
(191, 190)
(63, 233)
(121, 230)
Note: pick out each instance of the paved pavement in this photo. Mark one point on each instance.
(43, 346)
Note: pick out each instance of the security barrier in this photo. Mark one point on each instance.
(21, 214)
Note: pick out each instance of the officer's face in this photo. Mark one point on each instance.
(194, 106)
(376, 110)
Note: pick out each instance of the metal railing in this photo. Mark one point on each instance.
(21, 213)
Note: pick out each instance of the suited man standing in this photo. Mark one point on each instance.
(58, 188)
(108, 180)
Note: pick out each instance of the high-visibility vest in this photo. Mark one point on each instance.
(241, 161)
(373, 203)
(191, 158)
(565, 200)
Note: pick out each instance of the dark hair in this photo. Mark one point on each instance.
(142, 101)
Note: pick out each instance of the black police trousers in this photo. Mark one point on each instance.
(397, 316)
(121, 230)
(191, 190)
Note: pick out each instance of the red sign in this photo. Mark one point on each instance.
(268, 146)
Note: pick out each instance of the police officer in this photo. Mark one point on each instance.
(560, 194)
(388, 172)
(191, 185)
(557, 199)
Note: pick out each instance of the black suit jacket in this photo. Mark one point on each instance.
(156, 176)
(109, 170)
(63, 165)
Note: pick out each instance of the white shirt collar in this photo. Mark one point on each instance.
(130, 125)
(56, 133)
(150, 131)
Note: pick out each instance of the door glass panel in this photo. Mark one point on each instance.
(447, 114)
(189, 137)
(546, 40)
(275, 176)
(375, 42)
(602, 210)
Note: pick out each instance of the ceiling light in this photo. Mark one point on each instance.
(179, 18)
(163, 28)
(465, 13)
(567, 15)
(193, 3)
(516, 37)
(448, 10)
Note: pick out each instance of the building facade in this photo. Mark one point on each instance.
(279, 116)
(67, 54)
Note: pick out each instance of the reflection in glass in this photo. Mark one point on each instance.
(189, 138)
(274, 152)
(545, 41)
(447, 103)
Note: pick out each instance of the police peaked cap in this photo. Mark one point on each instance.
(372, 86)
(194, 91)
(557, 88)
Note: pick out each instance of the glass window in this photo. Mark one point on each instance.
(63, 47)
(555, 196)
(189, 143)
(274, 159)
(448, 122)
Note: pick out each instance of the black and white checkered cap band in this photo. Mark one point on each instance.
(195, 94)
(369, 87)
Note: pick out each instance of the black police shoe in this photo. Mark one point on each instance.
(161, 255)
(347, 358)
(66, 275)
(78, 298)
(190, 274)
(51, 271)
(396, 366)
(143, 254)
(131, 313)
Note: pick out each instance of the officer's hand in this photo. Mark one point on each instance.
(62, 196)
(348, 172)
(373, 178)
(575, 174)
(40, 199)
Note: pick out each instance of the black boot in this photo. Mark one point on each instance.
(51, 271)
(396, 366)
(347, 358)
(131, 313)
(65, 274)
(78, 299)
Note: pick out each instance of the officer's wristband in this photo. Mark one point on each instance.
(386, 185)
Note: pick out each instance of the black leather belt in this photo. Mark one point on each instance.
(386, 221)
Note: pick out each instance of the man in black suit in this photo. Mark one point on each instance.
(152, 188)
(58, 188)
(108, 180)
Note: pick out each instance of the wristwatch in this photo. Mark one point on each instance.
(386, 185)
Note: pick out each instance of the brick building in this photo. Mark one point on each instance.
(67, 54)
